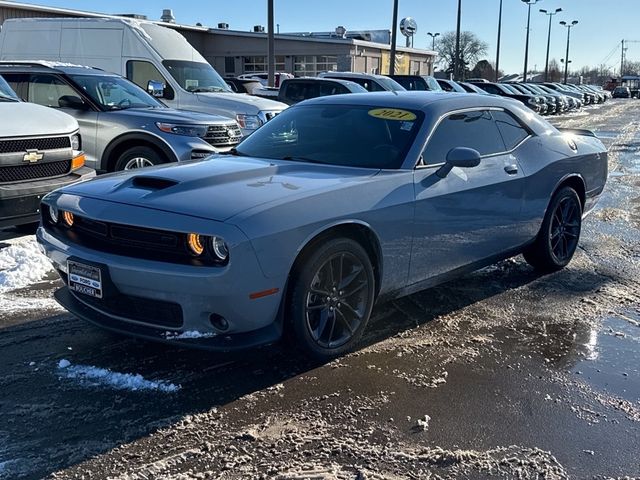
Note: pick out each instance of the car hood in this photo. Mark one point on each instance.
(218, 188)
(22, 119)
(170, 115)
(240, 102)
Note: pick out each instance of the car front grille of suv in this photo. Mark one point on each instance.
(223, 135)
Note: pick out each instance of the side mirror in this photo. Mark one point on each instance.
(71, 101)
(155, 88)
(462, 157)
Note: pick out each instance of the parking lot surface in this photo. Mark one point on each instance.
(503, 373)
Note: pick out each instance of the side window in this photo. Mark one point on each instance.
(47, 90)
(332, 89)
(475, 130)
(140, 73)
(294, 91)
(492, 89)
(512, 132)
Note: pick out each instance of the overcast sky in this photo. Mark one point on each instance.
(594, 41)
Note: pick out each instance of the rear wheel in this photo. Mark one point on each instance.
(332, 298)
(559, 234)
(139, 157)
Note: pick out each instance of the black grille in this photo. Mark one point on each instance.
(22, 145)
(223, 135)
(128, 241)
(18, 173)
(152, 311)
(155, 312)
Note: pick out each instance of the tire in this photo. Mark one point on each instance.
(139, 157)
(559, 234)
(325, 320)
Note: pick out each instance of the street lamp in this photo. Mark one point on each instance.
(526, 47)
(567, 61)
(498, 47)
(456, 66)
(546, 63)
(433, 39)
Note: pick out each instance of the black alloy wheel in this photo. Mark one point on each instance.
(559, 234)
(332, 298)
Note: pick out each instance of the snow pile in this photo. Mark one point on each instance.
(21, 265)
(96, 377)
(20, 304)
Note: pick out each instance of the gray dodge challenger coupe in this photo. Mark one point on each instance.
(335, 203)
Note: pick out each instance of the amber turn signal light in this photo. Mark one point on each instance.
(78, 162)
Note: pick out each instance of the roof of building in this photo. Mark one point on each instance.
(205, 29)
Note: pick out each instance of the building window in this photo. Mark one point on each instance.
(312, 65)
(229, 66)
(259, 64)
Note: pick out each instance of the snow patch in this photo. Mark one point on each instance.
(190, 334)
(102, 377)
(21, 265)
(20, 304)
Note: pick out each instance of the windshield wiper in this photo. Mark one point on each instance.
(6, 98)
(303, 159)
(233, 152)
(206, 89)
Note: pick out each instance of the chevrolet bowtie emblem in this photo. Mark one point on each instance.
(32, 156)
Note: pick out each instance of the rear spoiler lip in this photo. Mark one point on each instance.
(578, 131)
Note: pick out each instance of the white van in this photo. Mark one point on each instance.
(157, 58)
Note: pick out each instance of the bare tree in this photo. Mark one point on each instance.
(631, 68)
(471, 49)
(555, 75)
(485, 69)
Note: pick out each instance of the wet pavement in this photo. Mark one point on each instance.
(499, 374)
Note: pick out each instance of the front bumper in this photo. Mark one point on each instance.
(20, 202)
(141, 288)
(221, 343)
(189, 148)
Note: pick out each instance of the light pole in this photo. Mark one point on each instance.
(546, 63)
(271, 59)
(394, 32)
(456, 61)
(566, 57)
(526, 46)
(498, 48)
(433, 39)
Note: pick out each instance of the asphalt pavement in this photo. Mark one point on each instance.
(503, 373)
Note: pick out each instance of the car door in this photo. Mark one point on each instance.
(50, 90)
(471, 214)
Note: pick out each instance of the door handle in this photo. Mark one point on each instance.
(511, 169)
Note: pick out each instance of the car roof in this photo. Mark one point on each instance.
(413, 100)
(42, 66)
(350, 74)
(341, 81)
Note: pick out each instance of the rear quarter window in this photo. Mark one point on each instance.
(512, 132)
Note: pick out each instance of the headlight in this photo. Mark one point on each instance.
(67, 217)
(249, 122)
(195, 243)
(188, 130)
(53, 214)
(220, 249)
(76, 143)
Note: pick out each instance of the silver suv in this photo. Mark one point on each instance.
(121, 125)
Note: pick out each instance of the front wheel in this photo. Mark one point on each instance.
(332, 298)
(559, 234)
(139, 157)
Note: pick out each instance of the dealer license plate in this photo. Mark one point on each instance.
(85, 279)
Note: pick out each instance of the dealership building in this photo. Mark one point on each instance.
(234, 52)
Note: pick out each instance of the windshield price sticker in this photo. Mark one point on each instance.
(392, 114)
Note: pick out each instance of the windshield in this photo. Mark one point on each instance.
(196, 76)
(5, 91)
(347, 135)
(115, 93)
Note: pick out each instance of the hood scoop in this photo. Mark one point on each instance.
(152, 183)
